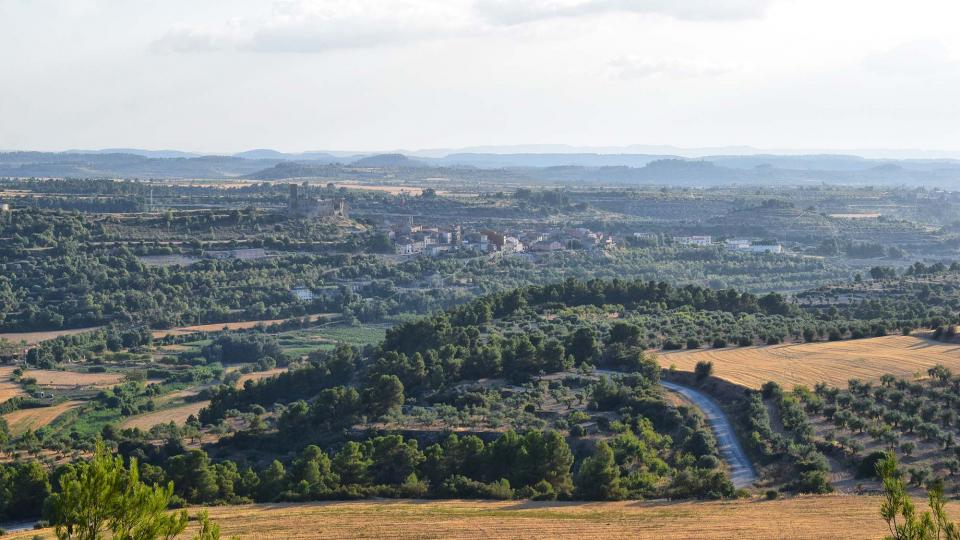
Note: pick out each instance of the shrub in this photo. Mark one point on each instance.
(868, 465)
(708, 462)
(703, 369)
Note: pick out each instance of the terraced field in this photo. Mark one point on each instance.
(241, 325)
(22, 420)
(832, 362)
(178, 413)
(809, 517)
(32, 338)
(72, 379)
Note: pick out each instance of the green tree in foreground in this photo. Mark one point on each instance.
(902, 518)
(600, 476)
(102, 498)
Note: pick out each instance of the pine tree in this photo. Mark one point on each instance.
(599, 477)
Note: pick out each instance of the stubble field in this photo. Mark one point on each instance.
(807, 517)
(22, 420)
(71, 379)
(833, 362)
(8, 388)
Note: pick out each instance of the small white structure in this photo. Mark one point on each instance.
(302, 294)
(746, 246)
(702, 241)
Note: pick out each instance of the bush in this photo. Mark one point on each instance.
(671, 345)
(703, 369)
(813, 482)
(868, 465)
(708, 462)
(772, 494)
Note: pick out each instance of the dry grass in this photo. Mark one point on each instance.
(72, 379)
(24, 419)
(177, 415)
(33, 338)
(257, 375)
(242, 325)
(832, 516)
(8, 388)
(832, 362)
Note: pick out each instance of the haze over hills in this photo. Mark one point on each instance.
(549, 164)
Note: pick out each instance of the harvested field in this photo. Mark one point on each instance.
(71, 379)
(833, 362)
(257, 375)
(33, 338)
(8, 388)
(217, 327)
(177, 415)
(809, 517)
(24, 419)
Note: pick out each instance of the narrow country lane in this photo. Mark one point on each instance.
(741, 470)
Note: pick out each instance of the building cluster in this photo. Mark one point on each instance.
(412, 239)
(749, 247)
(734, 244)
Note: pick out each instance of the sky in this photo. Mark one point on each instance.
(299, 75)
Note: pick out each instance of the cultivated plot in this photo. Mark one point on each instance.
(833, 362)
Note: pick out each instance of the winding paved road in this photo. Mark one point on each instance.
(741, 470)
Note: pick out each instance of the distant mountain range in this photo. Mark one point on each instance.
(596, 167)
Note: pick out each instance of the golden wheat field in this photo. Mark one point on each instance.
(808, 517)
(8, 388)
(832, 362)
(24, 419)
(72, 379)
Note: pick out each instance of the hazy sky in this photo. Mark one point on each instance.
(228, 75)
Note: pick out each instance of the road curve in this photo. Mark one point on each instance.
(741, 470)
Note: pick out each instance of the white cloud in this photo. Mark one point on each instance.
(635, 67)
(518, 12)
(186, 40)
(429, 73)
(310, 26)
(923, 58)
